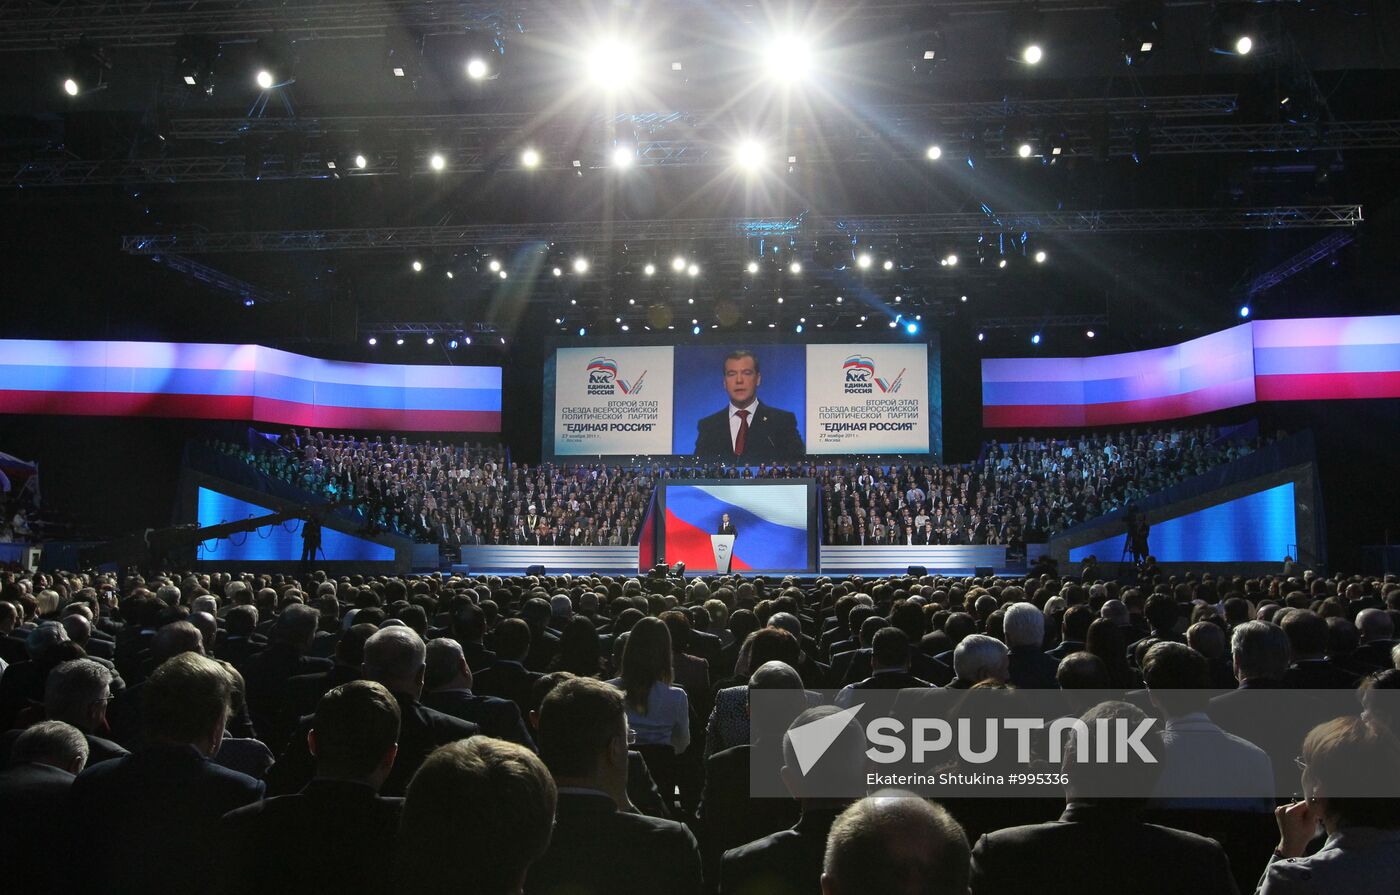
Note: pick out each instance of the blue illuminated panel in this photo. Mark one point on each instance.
(1258, 527)
(276, 543)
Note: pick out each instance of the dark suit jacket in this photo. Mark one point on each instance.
(1273, 717)
(1318, 674)
(302, 693)
(499, 718)
(1093, 849)
(35, 797)
(729, 529)
(728, 816)
(1032, 669)
(333, 838)
(147, 821)
(598, 850)
(507, 680)
(772, 436)
(788, 862)
(1375, 654)
(479, 658)
(266, 675)
(1064, 648)
(421, 730)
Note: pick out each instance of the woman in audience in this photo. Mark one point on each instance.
(656, 710)
(1350, 781)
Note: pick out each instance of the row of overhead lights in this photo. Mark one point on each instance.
(613, 63)
(452, 343)
(682, 265)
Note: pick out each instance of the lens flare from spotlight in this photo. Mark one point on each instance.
(1025, 150)
(477, 68)
(911, 328)
(1041, 257)
(678, 264)
(1089, 334)
(612, 64)
(1244, 310)
(952, 260)
(580, 265)
(417, 266)
(437, 161)
(264, 79)
(1035, 339)
(494, 265)
(1032, 54)
(1244, 45)
(788, 58)
(361, 162)
(70, 87)
(863, 261)
(889, 265)
(795, 267)
(622, 157)
(693, 270)
(650, 269)
(753, 267)
(750, 154)
(530, 157)
(934, 153)
(373, 341)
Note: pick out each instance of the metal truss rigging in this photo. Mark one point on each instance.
(1324, 248)
(217, 279)
(739, 231)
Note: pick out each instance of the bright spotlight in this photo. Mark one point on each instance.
(417, 266)
(795, 267)
(450, 275)
(373, 341)
(612, 65)
(889, 265)
(934, 153)
(431, 340)
(964, 298)
(1035, 339)
(264, 79)
(477, 68)
(911, 328)
(695, 330)
(952, 260)
(452, 344)
(750, 155)
(1089, 334)
(1024, 150)
(623, 156)
(583, 330)
(70, 87)
(863, 261)
(580, 265)
(797, 328)
(1032, 54)
(1244, 45)
(649, 269)
(1041, 257)
(981, 337)
(1244, 310)
(789, 58)
(530, 158)
(503, 275)
(1002, 263)
(558, 272)
(693, 270)
(361, 162)
(437, 162)
(753, 267)
(494, 265)
(678, 264)
(399, 340)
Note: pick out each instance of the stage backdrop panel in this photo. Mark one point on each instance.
(612, 401)
(1325, 358)
(700, 389)
(244, 382)
(275, 543)
(776, 524)
(867, 398)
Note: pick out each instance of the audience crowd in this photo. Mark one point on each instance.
(558, 734)
(1016, 493)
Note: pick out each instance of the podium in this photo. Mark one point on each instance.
(723, 546)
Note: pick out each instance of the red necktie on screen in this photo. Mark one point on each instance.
(743, 436)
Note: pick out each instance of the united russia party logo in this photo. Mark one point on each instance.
(860, 378)
(603, 378)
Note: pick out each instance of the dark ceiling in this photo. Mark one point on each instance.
(149, 156)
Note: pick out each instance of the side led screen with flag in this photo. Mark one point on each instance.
(244, 382)
(1258, 527)
(1319, 358)
(274, 543)
(773, 525)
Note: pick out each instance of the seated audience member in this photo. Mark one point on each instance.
(124, 712)
(395, 657)
(477, 815)
(1203, 767)
(1074, 631)
(1029, 667)
(305, 691)
(728, 724)
(1311, 668)
(895, 844)
(1377, 631)
(1208, 639)
(656, 710)
(76, 693)
(1100, 844)
(889, 668)
(979, 658)
(34, 789)
(169, 791)
(267, 673)
(1082, 671)
(447, 681)
(507, 677)
(598, 847)
(789, 862)
(1350, 783)
(1161, 612)
(354, 740)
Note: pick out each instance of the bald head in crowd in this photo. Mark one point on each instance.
(397, 658)
(896, 844)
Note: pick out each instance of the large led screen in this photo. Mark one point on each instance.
(1321, 358)
(746, 404)
(1259, 527)
(274, 543)
(774, 528)
(244, 382)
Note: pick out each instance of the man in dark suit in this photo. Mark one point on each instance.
(789, 861)
(726, 527)
(304, 691)
(34, 790)
(597, 846)
(507, 677)
(1074, 630)
(1024, 629)
(747, 430)
(468, 628)
(394, 657)
(169, 791)
(1098, 844)
(1377, 638)
(895, 844)
(266, 674)
(448, 684)
(889, 660)
(1311, 669)
(354, 741)
(76, 693)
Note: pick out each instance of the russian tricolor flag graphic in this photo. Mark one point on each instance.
(771, 521)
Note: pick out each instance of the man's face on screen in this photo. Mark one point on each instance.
(741, 380)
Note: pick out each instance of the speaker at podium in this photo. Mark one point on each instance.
(723, 547)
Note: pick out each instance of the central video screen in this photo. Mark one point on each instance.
(745, 405)
(774, 525)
